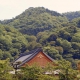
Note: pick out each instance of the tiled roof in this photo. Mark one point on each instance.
(25, 57)
(21, 59)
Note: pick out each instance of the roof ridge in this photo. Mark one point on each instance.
(30, 52)
(31, 56)
(48, 56)
(21, 55)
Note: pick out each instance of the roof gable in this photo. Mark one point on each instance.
(25, 57)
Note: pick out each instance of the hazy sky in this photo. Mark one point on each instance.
(11, 8)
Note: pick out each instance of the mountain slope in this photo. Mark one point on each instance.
(72, 15)
(34, 20)
(40, 27)
(12, 42)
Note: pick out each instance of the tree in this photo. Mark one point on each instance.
(35, 72)
(1, 54)
(65, 34)
(67, 73)
(53, 52)
(66, 45)
(60, 49)
(31, 38)
(4, 70)
(76, 37)
(31, 72)
(52, 37)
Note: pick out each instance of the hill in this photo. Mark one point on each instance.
(40, 27)
(12, 42)
(72, 15)
(34, 20)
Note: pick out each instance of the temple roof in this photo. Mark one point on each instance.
(25, 57)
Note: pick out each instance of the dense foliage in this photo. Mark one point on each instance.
(72, 15)
(11, 42)
(35, 72)
(40, 27)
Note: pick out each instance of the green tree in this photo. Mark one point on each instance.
(52, 37)
(53, 52)
(31, 72)
(66, 45)
(4, 70)
(67, 73)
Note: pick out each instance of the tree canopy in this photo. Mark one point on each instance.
(40, 27)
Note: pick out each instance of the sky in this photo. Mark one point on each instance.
(11, 8)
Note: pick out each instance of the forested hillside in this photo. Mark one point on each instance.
(72, 15)
(12, 42)
(34, 20)
(40, 27)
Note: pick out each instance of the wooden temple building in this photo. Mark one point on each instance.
(78, 66)
(36, 56)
